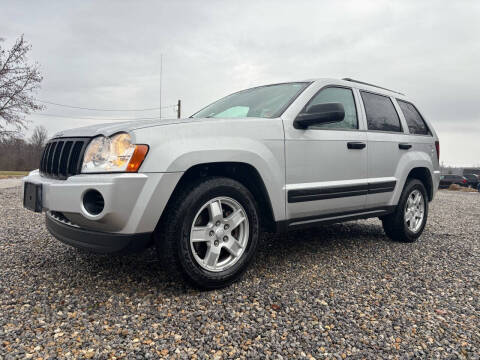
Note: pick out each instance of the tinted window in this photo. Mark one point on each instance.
(381, 114)
(337, 95)
(415, 122)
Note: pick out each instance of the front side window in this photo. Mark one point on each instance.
(265, 102)
(340, 95)
(415, 122)
(381, 114)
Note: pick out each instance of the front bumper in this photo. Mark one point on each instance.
(133, 203)
(96, 241)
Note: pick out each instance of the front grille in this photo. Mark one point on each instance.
(61, 218)
(62, 157)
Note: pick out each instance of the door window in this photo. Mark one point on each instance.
(381, 114)
(415, 122)
(343, 96)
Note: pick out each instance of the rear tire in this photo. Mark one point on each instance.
(407, 222)
(210, 232)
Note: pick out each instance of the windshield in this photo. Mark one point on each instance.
(265, 101)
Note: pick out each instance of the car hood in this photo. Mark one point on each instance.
(108, 129)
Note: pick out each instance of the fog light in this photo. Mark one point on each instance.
(93, 202)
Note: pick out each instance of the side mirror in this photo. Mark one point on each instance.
(320, 114)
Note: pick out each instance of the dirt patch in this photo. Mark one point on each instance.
(12, 174)
(455, 187)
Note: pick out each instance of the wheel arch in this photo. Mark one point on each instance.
(424, 175)
(242, 172)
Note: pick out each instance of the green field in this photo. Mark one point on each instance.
(7, 174)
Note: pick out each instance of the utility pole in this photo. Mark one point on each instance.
(179, 109)
(161, 69)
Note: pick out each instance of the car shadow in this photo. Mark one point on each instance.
(140, 273)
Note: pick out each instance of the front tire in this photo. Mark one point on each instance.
(210, 232)
(407, 222)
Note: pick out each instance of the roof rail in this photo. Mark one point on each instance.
(365, 83)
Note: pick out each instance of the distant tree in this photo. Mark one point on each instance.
(39, 137)
(18, 81)
(18, 154)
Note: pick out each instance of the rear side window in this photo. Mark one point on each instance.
(381, 114)
(415, 122)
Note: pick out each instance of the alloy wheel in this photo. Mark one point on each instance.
(414, 211)
(219, 234)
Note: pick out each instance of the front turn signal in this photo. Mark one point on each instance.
(137, 158)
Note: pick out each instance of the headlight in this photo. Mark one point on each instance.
(113, 154)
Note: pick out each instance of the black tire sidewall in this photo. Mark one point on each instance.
(206, 191)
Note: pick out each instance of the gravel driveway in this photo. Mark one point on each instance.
(10, 182)
(342, 291)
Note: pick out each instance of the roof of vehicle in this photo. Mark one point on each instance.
(362, 85)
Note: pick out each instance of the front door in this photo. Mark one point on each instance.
(327, 164)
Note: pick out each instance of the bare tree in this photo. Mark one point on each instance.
(18, 80)
(39, 137)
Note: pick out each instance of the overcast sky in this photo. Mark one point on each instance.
(106, 54)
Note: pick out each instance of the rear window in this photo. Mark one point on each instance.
(381, 114)
(415, 122)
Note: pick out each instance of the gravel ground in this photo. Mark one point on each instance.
(342, 291)
(9, 182)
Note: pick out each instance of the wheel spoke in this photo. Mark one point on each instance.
(410, 201)
(235, 219)
(233, 247)
(418, 198)
(416, 220)
(215, 211)
(408, 216)
(211, 257)
(200, 234)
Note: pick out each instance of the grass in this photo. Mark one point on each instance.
(455, 187)
(10, 174)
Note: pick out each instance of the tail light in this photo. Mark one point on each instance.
(437, 146)
(464, 181)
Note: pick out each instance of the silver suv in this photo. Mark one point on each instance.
(275, 158)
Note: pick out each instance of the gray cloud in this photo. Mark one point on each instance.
(106, 54)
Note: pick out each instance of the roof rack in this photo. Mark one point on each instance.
(365, 83)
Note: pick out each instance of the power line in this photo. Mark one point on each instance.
(96, 118)
(95, 109)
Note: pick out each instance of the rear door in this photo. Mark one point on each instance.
(384, 134)
(418, 134)
(327, 164)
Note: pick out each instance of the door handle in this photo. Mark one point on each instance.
(404, 146)
(356, 145)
